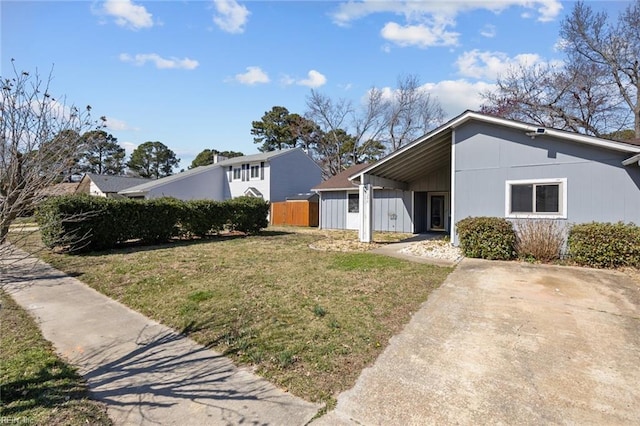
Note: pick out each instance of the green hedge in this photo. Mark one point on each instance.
(84, 223)
(605, 245)
(487, 238)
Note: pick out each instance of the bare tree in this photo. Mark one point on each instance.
(576, 98)
(40, 139)
(614, 49)
(411, 112)
(596, 90)
(386, 120)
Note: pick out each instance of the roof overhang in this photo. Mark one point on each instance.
(429, 151)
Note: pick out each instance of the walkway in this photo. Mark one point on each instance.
(508, 343)
(146, 373)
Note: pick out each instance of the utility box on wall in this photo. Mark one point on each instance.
(297, 210)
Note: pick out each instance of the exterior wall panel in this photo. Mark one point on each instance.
(292, 173)
(333, 210)
(599, 188)
(438, 181)
(205, 185)
(391, 210)
(237, 188)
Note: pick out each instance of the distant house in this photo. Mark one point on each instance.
(480, 165)
(106, 185)
(270, 175)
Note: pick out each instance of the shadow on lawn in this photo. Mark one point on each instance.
(139, 246)
(164, 368)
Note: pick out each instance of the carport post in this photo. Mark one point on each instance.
(366, 210)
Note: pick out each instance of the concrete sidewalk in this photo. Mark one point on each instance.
(146, 373)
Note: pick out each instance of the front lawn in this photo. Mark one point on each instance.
(307, 320)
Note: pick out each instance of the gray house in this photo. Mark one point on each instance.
(479, 165)
(270, 175)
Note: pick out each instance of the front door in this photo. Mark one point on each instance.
(437, 210)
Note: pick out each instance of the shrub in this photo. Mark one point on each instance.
(605, 245)
(541, 240)
(73, 222)
(202, 217)
(487, 238)
(248, 214)
(82, 222)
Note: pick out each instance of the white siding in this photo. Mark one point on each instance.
(206, 185)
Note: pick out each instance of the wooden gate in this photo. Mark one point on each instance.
(295, 213)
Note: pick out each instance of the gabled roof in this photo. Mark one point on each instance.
(434, 144)
(109, 183)
(255, 158)
(341, 180)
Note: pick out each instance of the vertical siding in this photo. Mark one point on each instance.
(599, 187)
(391, 210)
(333, 210)
(437, 181)
(293, 172)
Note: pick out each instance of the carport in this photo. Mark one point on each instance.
(422, 167)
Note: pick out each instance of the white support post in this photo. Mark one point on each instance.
(366, 212)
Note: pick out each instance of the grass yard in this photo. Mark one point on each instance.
(36, 386)
(308, 320)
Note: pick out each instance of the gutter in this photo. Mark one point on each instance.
(630, 161)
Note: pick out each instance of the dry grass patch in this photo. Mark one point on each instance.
(344, 240)
(307, 320)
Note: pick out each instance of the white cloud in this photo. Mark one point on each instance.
(314, 79)
(457, 96)
(419, 35)
(430, 23)
(254, 75)
(231, 16)
(128, 14)
(287, 80)
(489, 65)
(117, 125)
(549, 10)
(488, 31)
(129, 147)
(160, 62)
(415, 11)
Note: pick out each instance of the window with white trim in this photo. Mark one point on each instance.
(255, 172)
(237, 173)
(536, 198)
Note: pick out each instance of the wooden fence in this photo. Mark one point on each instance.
(295, 213)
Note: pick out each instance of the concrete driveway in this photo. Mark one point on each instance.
(509, 343)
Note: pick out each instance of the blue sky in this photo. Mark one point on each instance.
(195, 74)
